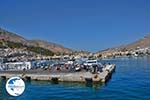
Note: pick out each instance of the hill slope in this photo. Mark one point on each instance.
(56, 48)
(141, 43)
(51, 46)
(9, 36)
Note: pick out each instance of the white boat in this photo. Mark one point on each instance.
(91, 62)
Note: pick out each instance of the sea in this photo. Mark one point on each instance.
(130, 81)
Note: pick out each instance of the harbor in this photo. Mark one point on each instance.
(131, 74)
(90, 71)
(75, 50)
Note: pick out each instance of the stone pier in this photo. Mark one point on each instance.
(64, 77)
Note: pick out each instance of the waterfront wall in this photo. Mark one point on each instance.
(66, 77)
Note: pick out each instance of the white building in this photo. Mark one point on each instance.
(18, 65)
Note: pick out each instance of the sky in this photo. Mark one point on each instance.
(90, 25)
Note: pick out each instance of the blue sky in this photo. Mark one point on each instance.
(78, 24)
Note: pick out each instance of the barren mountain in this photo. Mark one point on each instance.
(51, 46)
(141, 43)
(9, 36)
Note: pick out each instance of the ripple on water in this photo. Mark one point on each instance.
(129, 82)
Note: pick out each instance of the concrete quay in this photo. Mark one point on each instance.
(84, 77)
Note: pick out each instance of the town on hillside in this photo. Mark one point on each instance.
(16, 49)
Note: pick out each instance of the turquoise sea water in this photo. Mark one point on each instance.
(130, 81)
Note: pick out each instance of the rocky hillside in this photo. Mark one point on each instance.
(141, 43)
(9, 36)
(50, 46)
(56, 48)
